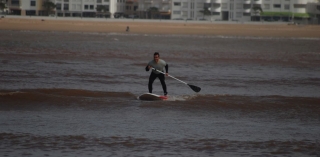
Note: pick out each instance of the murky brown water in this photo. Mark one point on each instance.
(74, 94)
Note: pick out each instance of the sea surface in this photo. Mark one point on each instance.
(75, 94)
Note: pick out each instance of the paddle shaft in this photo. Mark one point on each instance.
(169, 76)
(193, 87)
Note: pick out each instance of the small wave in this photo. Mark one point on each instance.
(130, 145)
(290, 107)
(186, 36)
(22, 98)
(181, 97)
(212, 36)
(66, 92)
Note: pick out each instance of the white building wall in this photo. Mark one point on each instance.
(187, 9)
(86, 6)
(239, 10)
(25, 5)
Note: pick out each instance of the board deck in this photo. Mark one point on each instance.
(151, 97)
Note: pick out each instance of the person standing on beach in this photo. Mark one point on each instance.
(158, 64)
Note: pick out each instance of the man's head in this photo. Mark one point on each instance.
(156, 57)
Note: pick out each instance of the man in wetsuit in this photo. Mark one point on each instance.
(158, 64)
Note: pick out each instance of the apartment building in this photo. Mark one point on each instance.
(25, 7)
(163, 9)
(131, 10)
(88, 8)
(187, 9)
(242, 10)
(67, 8)
(211, 10)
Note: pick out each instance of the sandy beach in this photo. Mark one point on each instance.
(160, 27)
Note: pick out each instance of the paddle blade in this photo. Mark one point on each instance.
(194, 88)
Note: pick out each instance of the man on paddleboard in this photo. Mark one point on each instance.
(158, 64)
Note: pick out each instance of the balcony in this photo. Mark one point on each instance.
(215, 10)
(215, 1)
(165, 1)
(299, 10)
(247, 2)
(14, 6)
(298, 1)
(247, 10)
(257, 2)
(148, 1)
(164, 9)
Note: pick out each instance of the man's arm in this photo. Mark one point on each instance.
(147, 68)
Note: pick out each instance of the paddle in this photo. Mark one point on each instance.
(193, 87)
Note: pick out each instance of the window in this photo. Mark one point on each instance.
(239, 6)
(33, 3)
(86, 7)
(246, 6)
(99, 1)
(106, 0)
(177, 4)
(15, 2)
(238, 14)
(215, 13)
(177, 12)
(185, 5)
(277, 6)
(66, 7)
(30, 12)
(224, 5)
(287, 7)
(299, 6)
(58, 6)
(206, 5)
(91, 7)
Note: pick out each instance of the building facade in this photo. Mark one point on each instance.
(210, 10)
(88, 8)
(67, 8)
(242, 10)
(187, 9)
(163, 9)
(24, 7)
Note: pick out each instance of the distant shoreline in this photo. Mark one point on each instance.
(142, 26)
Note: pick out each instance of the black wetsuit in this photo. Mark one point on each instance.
(154, 74)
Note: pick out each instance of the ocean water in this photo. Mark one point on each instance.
(75, 94)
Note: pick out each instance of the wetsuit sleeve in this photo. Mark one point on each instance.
(147, 69)
(167, 68)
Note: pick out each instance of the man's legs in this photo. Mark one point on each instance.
(152, 77)
(163, 83)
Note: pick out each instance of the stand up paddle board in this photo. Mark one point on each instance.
(152, 97)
